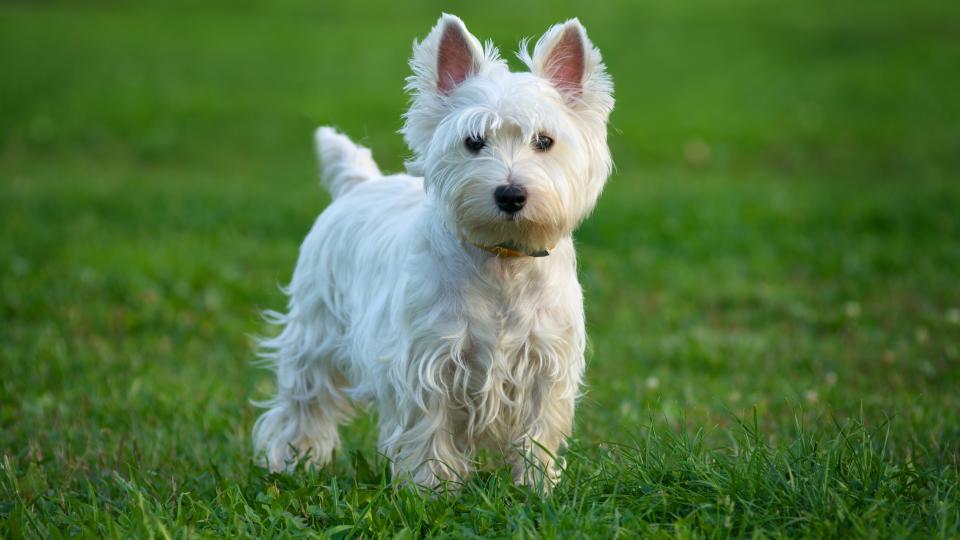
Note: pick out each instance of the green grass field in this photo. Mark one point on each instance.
(772, 276)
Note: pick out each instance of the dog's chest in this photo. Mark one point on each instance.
(520, 343)
(514, 324)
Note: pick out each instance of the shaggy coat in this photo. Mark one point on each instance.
(399, 297)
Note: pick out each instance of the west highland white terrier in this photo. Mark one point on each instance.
(448, 296)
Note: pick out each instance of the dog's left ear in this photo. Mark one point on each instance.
(566, 57)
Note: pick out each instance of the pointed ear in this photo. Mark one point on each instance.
(566, 57)
(447, 57)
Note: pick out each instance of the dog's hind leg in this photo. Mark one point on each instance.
(301, 421)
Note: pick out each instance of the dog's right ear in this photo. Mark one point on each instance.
(447, 57)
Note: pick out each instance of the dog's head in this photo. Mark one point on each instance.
(514, 159)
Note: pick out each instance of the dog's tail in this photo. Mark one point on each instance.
(343, 164)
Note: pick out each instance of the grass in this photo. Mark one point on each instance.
(771, 275)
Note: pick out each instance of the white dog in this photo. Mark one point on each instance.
(449, 296)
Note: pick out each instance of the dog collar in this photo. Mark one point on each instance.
(511, 251)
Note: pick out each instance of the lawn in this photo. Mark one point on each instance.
(772, 276)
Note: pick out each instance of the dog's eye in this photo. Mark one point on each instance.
(474, 143)
(541, 143)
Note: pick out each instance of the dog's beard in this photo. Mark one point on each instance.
(536, 228)
(516, 232)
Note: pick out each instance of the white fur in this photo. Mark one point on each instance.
(392, 303)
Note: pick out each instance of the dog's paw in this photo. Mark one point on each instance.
(281, 443)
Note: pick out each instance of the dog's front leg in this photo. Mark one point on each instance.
(536, 462)
(424, 449)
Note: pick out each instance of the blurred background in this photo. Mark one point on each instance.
(781, 234)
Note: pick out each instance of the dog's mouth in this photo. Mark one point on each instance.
(516, 237)
(504, 234)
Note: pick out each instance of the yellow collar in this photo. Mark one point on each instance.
(511, 252)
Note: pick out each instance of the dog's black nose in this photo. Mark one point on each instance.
(510, 198)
